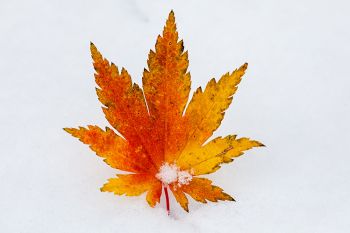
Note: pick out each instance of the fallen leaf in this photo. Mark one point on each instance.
(163, 145)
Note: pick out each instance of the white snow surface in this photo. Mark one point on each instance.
(294, 98)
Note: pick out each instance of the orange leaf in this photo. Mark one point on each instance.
(125, 107)
(167, 85)
(115, 150)
(201, 190)
(135, 185)
(162, 144)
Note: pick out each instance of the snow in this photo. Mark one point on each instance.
(170, 173)
(183, 177)
(294, 98)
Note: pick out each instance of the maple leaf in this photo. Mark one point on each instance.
(163, 146)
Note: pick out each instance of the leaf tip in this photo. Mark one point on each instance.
(244, 66)
(151, 204)
(171, 17)
(94, 51)
(68, 130)
(259, 144)
(228, 197)
(104, 188)
(92, 46)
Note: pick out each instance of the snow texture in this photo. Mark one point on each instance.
(294, 98)
(170, 173)
(183, 177)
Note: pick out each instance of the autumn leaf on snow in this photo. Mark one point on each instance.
(163, 146)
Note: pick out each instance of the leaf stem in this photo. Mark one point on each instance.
(167, 199)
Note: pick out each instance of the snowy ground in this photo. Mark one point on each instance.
(294, 99)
